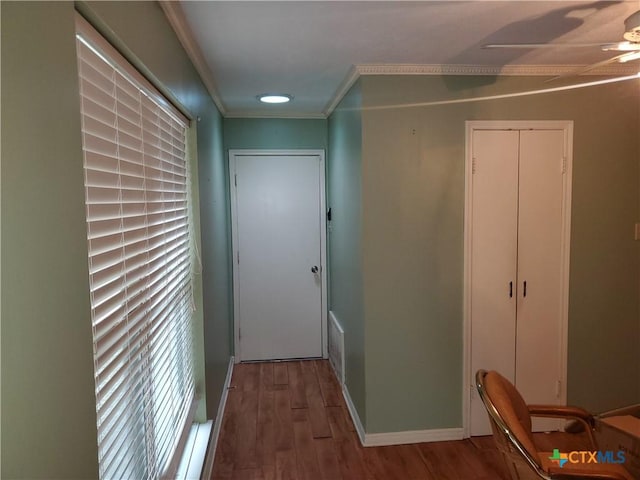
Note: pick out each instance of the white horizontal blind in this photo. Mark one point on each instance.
(139, 263)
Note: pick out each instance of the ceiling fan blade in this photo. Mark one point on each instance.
(630, 47)
(551, 45)
(623, 47)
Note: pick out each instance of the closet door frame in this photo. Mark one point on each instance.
(468, 387)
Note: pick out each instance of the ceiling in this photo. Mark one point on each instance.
(313, 50)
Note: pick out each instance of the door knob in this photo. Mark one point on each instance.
(314, 269)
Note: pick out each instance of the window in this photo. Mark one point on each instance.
(140, 267)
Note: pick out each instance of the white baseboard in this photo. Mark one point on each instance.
(397, 438)
(354, 414)
(412, 436)
(207, 470)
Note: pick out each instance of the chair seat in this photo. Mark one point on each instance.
(586, 469)
(510, 419)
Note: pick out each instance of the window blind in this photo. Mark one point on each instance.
(140, 266)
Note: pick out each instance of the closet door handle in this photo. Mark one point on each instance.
(524, 289)
(510, 289)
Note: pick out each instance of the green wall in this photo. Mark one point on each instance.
(346, 239)
(413, 214)
(48, 399)
(413, 211)
(216, 260)
(275, 133)
(48, 392)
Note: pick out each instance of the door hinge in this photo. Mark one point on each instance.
(558, 388)
(235, 179)
(564, 165)
(473, 166)
(238, 257)
(239, 333)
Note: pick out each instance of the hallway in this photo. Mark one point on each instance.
(288, 420)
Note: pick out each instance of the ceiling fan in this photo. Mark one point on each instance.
(630, 47)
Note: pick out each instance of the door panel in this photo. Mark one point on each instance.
(278, 236)
(539, 319)
(493, 259)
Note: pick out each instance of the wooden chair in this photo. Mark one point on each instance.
(510, 419)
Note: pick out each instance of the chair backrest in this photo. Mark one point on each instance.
(511, 425)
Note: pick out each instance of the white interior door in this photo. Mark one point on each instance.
(493, 260)
(278, 271)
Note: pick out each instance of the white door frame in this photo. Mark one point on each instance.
(468, 377)
(233, 154)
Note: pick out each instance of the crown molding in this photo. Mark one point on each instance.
(178, 22)
(501, 70)
(348, 81)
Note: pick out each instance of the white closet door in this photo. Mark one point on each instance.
(539, 318)
(493, 259)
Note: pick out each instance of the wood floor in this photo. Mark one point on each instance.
(288, 420)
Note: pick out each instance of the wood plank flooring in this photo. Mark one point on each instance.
(288, 420)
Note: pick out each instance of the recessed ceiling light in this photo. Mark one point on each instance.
(274, 98)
